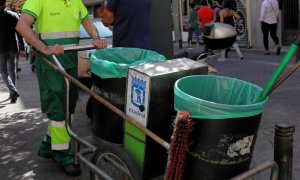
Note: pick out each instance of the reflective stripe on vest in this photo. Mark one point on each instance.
(59, 35)
(66, 39)
(60, 138)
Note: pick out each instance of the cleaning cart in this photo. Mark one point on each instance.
(111, 154)
(128, 165)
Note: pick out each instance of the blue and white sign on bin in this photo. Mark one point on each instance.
(138, 89)
(137, 96)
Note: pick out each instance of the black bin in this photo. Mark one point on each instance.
(107, 125)
(227, 119)
(109, 70)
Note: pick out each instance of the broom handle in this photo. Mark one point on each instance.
(276, 74)
(105, 102)
(285, 76)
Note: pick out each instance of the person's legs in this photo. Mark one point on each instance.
(12, 67)
(56, 143)
(190, 35)
(5, 61)
(273, 31)
(265, 31)
(12, 74)
(196, 30)
(222, 58)
(238, 51)
(17, 63)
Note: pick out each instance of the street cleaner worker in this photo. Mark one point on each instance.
(57, 25)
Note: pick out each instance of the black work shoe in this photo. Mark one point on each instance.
(226, 53)
(14, 97)
(72, 170)
(45, 155)
(278, 50)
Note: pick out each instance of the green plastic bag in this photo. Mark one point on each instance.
(217, 97)
(114, 62)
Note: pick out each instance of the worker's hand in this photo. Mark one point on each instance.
(56, 50)
(22, 53)
(99, 44)
(108, 18)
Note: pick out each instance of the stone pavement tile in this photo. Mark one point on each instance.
(263, 150)
(296, 153)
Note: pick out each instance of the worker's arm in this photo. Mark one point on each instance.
(222, 16)
(108, 17)
(24, 28)
(93, 33)
(214, 18)
(235, 15)
(21, 44)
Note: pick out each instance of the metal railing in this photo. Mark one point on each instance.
(258, 169)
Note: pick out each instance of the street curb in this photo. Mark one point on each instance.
(284, 49)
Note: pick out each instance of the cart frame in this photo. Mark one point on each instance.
(89, 148)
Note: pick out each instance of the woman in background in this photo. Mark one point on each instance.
(228, 15)
(268, 21)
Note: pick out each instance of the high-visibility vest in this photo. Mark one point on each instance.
(58, 22)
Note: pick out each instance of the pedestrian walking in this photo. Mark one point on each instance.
(9, 49)
(268, 21)
(228, 16)
(57, 25)
(217, 9)
(193, 25)
(205, 15)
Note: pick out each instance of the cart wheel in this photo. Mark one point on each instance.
(89, 108)
(113, 160)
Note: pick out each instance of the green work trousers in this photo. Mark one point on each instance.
(53, 103)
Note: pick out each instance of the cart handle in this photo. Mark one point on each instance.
(79, 48)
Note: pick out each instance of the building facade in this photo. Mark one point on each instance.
(249, 34)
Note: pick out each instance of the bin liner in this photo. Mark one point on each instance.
(226, 118)
(217, 97)
(114, 62)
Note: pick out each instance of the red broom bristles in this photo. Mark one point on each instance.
(183, 126)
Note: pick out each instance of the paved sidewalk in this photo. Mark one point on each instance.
(22, 125)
